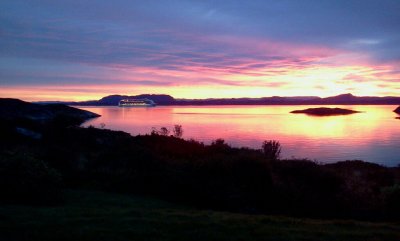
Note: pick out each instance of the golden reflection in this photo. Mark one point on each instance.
(256, 122)
(371, 135)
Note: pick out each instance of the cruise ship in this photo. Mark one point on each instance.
(136, 103)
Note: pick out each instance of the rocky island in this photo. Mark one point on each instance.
(397, 110)
(324, 111)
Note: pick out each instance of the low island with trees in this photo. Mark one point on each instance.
(324, 111)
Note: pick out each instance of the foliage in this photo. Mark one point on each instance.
(164, 131)
(178, 131)
(88, 215)
(214, 176)
(392, 200)
(25, 179)
(271, 149)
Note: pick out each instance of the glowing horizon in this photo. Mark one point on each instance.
(65, 52)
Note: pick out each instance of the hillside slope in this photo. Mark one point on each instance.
(104, 216)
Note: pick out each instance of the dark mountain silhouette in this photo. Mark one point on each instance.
(345, 99)
(112, 100)
(341, 98)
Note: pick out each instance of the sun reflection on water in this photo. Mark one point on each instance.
(372, 135)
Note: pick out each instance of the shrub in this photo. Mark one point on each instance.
(271, 149)
(392, 200)
(25, 179)
(178, 131)
(163, 131)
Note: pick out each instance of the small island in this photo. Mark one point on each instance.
(324, 111)
(397, 110)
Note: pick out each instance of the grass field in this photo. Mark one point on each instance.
(98, 216)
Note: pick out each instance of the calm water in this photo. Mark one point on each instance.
(373, 135)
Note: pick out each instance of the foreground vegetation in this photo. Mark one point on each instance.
(88, 215)
(42, 157)
(214, 176)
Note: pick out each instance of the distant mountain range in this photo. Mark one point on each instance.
(345, 99)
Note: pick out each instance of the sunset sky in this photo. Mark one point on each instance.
(80, 50)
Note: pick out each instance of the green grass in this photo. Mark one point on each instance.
(98, 216)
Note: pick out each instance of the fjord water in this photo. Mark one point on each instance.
(373, 135)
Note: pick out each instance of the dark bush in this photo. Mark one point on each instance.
(214, 176)
(178, 131)
(392, 201)
(306, 188)
(271, 149)
(25, 179)
(362, 185)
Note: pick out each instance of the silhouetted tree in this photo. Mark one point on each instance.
(218, 142)
(271, 149)
(178, 131)
(154, 131)
(164, 131)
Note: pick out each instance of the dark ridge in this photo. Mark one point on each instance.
(15, 109)
(343, 97)
(323, 111)
(113, 100)
(32, 119)
(161, 99)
